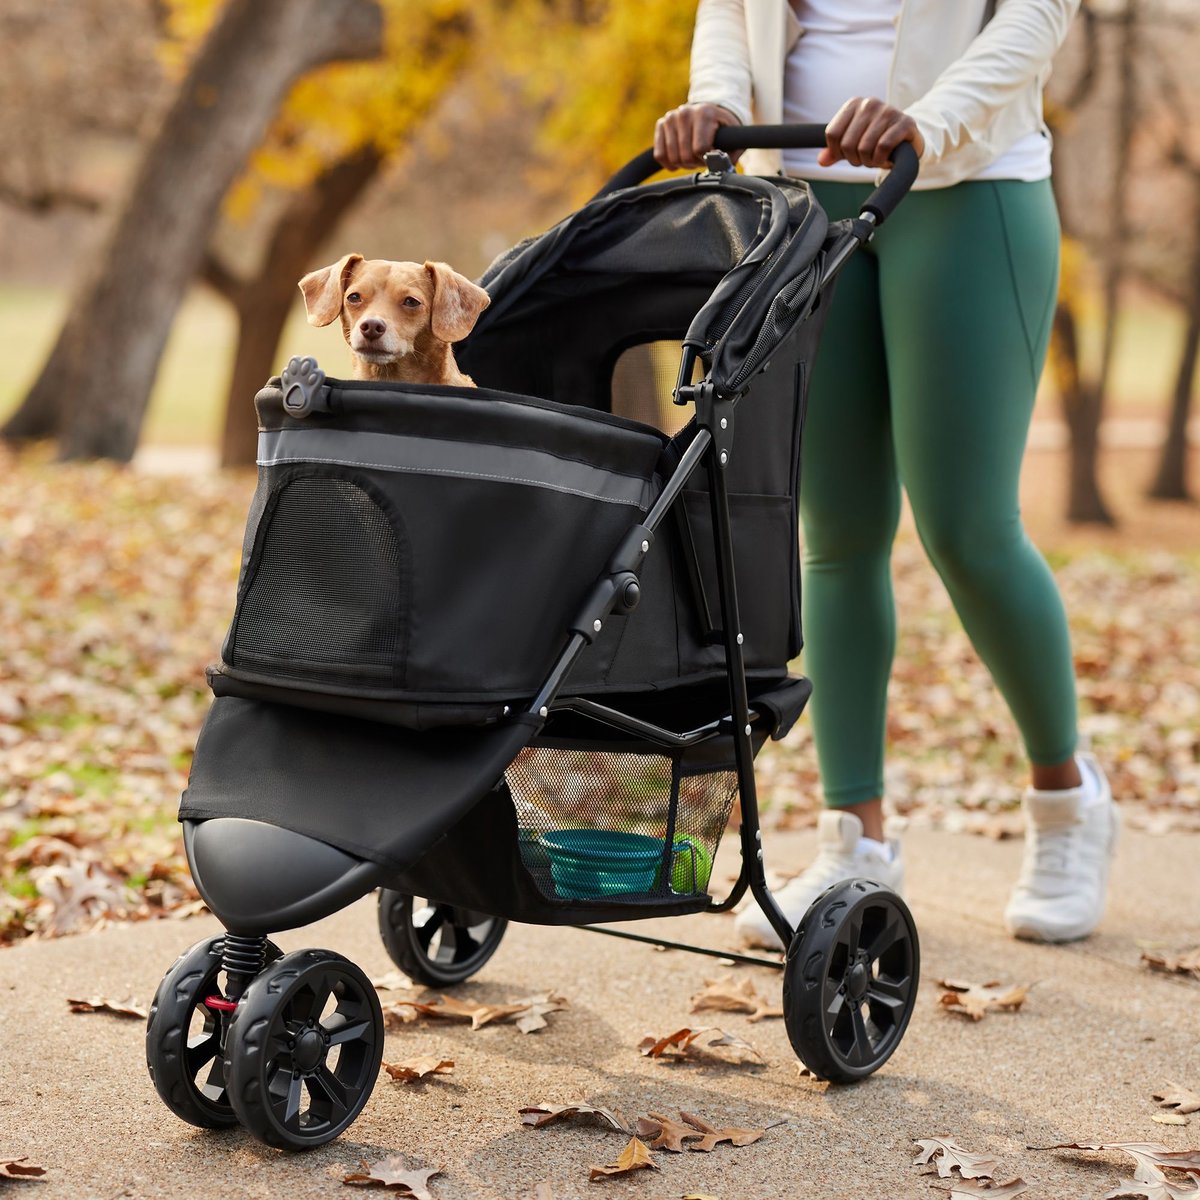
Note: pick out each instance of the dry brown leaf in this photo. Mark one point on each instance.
(450, 1008)
(684, 1045)
(1149, 1156)
(713, 1136)
(1159, 1188)
(19, 1168)
(635, 1157)
(391, 1172)
(1181, 1099)
(1185, 962)
(723, 995)
(416, 1069)
(966, 1189)
(537, 1115)
(393, 981)
(975, 1000)
(117, 1008)
(947, 1155)
(665, 1134)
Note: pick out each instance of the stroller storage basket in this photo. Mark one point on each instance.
(622, 826)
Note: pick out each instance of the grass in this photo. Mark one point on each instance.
(187, 403)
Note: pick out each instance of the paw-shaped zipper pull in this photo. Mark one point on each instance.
(302, 381)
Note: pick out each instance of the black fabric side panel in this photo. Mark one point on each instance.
(783, 705)
(375, 791)
(477, 866)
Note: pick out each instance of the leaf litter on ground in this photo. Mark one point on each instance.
(947, 1156)
(976, 1000)
(19, 1168)
(116, 1008)
(635, 1157)
(1182, 962)
(707, 1044)
(1178, 1097)
(393, 1172)
(724, 995)
(528, 1014)
(1152, 1161)
(417, 1070)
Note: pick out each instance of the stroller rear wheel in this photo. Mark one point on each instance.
(436, 944)
(850, 981)
(303, 1049)
(183, 1038)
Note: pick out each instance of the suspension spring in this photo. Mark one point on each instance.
(242, 959)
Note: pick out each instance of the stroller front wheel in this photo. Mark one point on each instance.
(303, 1049)
(435, 944)
(850, 980)
(183, 1038)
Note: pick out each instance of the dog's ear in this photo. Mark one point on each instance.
(457, 303)
(323, 290)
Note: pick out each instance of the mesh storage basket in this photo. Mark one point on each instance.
(626, 826)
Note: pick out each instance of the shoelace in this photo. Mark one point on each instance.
(1051, 853)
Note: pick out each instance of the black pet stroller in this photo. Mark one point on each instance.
(509, 653)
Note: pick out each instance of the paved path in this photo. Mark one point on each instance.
(1097, 1036)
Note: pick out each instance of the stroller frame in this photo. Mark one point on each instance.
(835, 959)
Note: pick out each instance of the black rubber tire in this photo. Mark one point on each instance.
(269, 1073)
(465, 940)
(857, 942)
(192, 978)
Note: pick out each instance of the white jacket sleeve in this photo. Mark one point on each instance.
(1012, 50)
(721, 58)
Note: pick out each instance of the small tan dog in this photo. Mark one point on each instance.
(399, 318)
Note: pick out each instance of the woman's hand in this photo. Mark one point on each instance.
(865, 131)
(684, 135)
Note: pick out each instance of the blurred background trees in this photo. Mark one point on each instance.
(453, 128)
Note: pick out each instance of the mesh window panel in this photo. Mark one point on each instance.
(327, 601)
(595, 825)
(642, 382)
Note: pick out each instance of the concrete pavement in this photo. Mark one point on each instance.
(1098, 1034)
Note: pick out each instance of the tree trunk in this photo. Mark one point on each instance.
(1170, 482)
(1081, 409)
(263, 302)
(97, 382)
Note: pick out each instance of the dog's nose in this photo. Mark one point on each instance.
(372, 328)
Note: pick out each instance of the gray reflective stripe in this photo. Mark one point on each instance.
(467, 460)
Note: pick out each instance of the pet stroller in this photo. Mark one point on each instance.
(509, 653)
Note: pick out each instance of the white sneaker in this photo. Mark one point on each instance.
(1069, 842)
(842, 853)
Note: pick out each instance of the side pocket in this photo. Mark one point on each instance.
(326, 592)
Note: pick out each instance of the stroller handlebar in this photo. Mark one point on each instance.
(880, 204)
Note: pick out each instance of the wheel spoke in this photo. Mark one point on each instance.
(860, 1049)
(291, 1104)
(428, 921)
(885, 939)
(307, 1002)
(331, 1089)
(202, 1050)
(850, 935)
(214, 1086)
(885, 1001)
(836, 1002)
(342, 1029)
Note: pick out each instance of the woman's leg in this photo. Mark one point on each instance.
(968, 279)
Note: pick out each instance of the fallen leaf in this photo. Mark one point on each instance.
(635, 1157)
(392, 1172)
(684, 1045)
(19, 1168)
(1181, 1099)
(122, 1008)
(698, 1196)
(966, 1189)
(1186, 962)
(974, 1000)
(665, 1134)
(537, 1115)
(450, 1008)
(713, 1136)
(723, 995)
(1149, 1156)
(1159, 1188)
(416, 1069)
(947, 1155)
(1170, 1119)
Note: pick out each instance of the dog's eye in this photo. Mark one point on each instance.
(411, 302)
(353, 298)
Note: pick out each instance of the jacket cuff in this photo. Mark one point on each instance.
(742, 113)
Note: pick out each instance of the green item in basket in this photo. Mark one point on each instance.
(691, 866)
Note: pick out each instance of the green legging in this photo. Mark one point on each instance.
(926, 378)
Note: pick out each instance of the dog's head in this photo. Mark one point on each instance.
(392, 309)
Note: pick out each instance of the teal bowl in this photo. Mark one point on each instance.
(589, 864)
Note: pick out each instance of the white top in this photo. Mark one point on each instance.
(846, 49)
